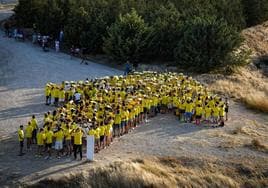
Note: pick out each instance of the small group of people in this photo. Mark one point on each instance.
(110, 107)
(62, 140)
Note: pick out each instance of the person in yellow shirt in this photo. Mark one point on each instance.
(28, 135)
(49, 140)
(117, 123)
(102, 135)
(198, 114)
(68, 140)
(35, 128)
(61, 95)
(21, 139)
(189, 106)
(91, 132)
(41, 136)
(59, 135)
(78, 136)
(97, 138)
(208, 111)
(56, 93)
(48, 94)
(164, 104)
(182, 110)
(216, 113)
(124, 116)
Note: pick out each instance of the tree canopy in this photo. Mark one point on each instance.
(203, 32)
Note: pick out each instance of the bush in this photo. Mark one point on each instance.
(127, 38)
(255, 11)
(207, 44)
(165, 32)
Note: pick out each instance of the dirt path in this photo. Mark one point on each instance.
(25, 69)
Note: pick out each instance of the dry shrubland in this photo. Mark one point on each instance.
(247, 85)
(165, 172)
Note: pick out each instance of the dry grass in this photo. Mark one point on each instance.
(249, 86)
(256, 39)
(165, 172)
(248, 131)
(258, 145)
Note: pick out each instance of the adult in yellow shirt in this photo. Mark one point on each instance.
(49, 140)
(59, 135)
(28, 135)
(35, 128)
(78, 135)
(41, 136)
(21, 139)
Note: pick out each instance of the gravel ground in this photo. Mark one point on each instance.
(25, 69)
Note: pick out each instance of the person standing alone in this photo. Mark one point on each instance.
(21, 139)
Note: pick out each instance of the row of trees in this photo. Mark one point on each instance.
(201, 34)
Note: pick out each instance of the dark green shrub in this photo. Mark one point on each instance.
(206, 44)
(127, 38)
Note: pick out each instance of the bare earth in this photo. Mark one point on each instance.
(25, 69)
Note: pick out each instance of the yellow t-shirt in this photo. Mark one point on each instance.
(20, 135)
(29, 131)
(41, 136)
(56, 93)
(47, 90)
(49, 137)
(102, 130)
(211, 103)
(117, 119)
(165, 100)
(34, 124)
(216, 111)
(222, 111)
(198, 111)
(97, 133)
(189, 107)
(78, 138)
(107, 130)
(62, 94)
(67, 134)
(59, 135)
(91, 132)
(207, 111)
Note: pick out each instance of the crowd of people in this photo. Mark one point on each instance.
(110, 107)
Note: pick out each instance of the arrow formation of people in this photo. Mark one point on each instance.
(110, 107)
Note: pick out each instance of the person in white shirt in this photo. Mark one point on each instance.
(77, 97)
